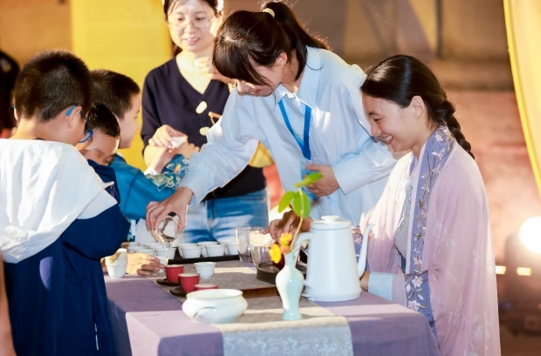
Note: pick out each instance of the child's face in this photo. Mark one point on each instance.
(128, 123)
(100, 148)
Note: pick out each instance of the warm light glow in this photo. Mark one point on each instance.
(500, 269)
(530, 234)
(524, 271)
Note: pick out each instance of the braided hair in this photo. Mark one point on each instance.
(400, 78)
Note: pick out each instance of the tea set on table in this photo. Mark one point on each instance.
(332, 271)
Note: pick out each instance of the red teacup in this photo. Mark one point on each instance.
(205, 286)
(172, 272)
(188, 281)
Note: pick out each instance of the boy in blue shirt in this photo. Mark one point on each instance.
(122, 96)
(52, 206)
(100, 150)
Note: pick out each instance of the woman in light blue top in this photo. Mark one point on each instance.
(303, 103)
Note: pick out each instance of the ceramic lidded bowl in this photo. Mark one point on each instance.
(215, 306)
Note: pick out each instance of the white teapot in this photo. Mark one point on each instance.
(332, 274)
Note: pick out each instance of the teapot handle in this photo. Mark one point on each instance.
(305, 236)
(361, 264)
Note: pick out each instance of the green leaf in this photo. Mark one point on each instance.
(307, 205)
(284, 202)
(297, 204)
(301, 205)
(309, 179)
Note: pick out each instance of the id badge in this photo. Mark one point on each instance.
(305, 172)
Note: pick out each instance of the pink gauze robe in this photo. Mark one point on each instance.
(458, 252)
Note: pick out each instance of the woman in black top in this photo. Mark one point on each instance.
(184, 96)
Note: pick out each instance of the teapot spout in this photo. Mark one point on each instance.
(361, 264)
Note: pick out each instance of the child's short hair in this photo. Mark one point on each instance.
(50, 82)
(115, 90)
(102, 119)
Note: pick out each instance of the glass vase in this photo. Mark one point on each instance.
(289, 282)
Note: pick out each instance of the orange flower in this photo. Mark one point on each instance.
(285, 249)
(275, 253)
(285, 239)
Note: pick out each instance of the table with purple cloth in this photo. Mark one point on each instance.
(147, 320)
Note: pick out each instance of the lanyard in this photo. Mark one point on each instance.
(304, 145)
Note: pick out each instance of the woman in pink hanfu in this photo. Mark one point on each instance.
(431, 248)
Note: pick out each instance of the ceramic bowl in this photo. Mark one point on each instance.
(215, 306)
(215, 250)
(203, 245)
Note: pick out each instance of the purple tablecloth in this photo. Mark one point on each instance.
(148, 321)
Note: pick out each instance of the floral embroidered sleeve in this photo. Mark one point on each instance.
(172, 173)
(418, 296)
(137, 189)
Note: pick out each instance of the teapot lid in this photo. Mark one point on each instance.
(330, 222)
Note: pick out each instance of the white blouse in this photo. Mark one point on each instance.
(339, 137)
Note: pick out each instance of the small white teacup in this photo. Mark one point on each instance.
(204, 244)
(215, 250)
(119, 257)
(168, 252)
(191, 251)
(163, 261)
(116, 271)
(116, 264)
(205, 269)
(180, 246)
(231, 247)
